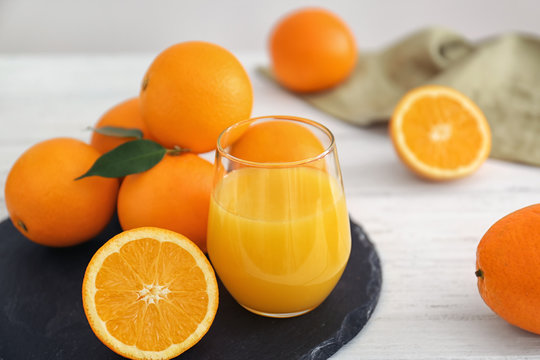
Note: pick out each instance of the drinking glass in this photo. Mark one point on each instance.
(278, 232)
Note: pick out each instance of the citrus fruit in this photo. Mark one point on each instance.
(312, 49)
(507, 268)
(276, 141)
(439, 133)
(174, 194)
(149, 293)
(45, 202)
(124, 115)
(193, 91)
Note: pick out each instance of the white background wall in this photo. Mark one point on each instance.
(146, 25)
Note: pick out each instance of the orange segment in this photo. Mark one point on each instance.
(141, 257)
(120, 312)
(116, 274)
(439, 133)
(150, 293)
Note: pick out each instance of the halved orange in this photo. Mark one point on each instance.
(149, 293)
(439, 133)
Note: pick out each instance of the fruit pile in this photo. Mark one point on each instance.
(143, 162)
(190, 93)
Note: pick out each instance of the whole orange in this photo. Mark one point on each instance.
(507, 268)
(127, 114)
(312, 49)
(276, 141)
(45, 202)
(193, 91)
(174, 194)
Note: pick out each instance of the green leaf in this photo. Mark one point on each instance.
(119, 132)
(129, 158)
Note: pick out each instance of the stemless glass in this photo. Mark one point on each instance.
(278, 232)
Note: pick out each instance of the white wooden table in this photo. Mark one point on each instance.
(426, 233)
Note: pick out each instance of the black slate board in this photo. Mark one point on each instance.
(41, 314)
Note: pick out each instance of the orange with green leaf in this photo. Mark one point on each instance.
(125, 117)
(174, 195)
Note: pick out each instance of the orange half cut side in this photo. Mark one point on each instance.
(149, 293)
(439, 133)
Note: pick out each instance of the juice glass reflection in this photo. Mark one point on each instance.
(278, 232)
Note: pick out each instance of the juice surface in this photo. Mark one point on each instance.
(279, 239)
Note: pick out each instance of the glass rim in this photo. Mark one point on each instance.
(308, 160)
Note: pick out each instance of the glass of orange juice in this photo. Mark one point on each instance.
(278, 230)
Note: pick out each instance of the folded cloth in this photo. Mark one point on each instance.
(501, 75)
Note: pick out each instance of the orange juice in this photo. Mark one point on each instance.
(279, 238)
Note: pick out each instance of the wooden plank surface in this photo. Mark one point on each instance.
(426, 233)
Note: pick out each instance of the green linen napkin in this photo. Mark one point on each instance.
(500, 74)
